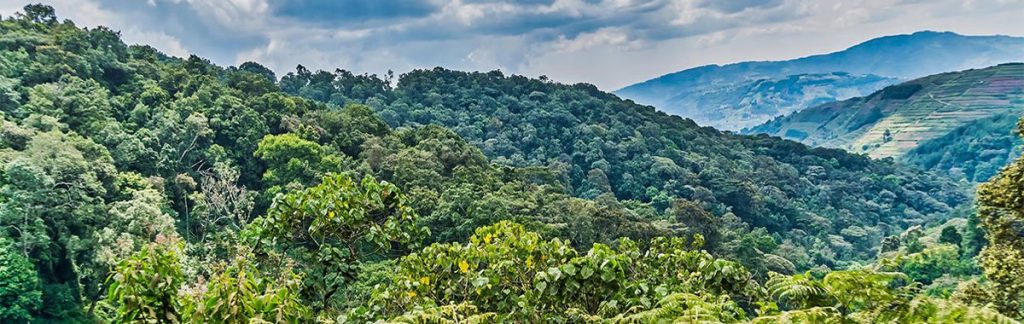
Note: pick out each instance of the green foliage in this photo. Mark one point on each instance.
(800, 291)
(495, 268)
(54, 190)
(950, 235)
(242, 294)
(866, 296)
(133, 222)
(828, 315)
(859, 290)
(145, 286)
(248, 193)
(687, 308)
(448, 314)
(601, 145)
(507, 270)
(974, 236)
(20, 294)
(330, 228)
(150, 287)
(931, 310)
(975, 151)
(342, 212)
(931, 263)
(1000, 211)
(290, 158)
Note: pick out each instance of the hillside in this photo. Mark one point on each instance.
(894, 121)
(975, 151)
(899, 57)
(751, 103)
(140, 187)
(602, 146)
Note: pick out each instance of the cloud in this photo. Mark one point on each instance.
(606, 42)
(167, 44)
(600, 37)
(92, 13)
(734, 6)
(348, 12)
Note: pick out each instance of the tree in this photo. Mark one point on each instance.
(81, 104)
(150, 286)
(133, 222)
(253, 67)
(221, 204)
(54, 204)
(1001, 210)
(931, 263)
(799, 291)
(697, 220)
(292, 159)
(333, 225)
(20, 295)
(242, 294)
(39, 13)
(520, 276)
(145, 286)
(950, 235)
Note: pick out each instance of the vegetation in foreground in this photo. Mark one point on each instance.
(139, 187)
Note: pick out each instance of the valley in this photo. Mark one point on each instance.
(143, 186)
(855, 72)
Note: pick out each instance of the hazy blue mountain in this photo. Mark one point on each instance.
(892, 57)
(751, 103)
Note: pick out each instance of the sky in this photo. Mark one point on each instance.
(609, 43)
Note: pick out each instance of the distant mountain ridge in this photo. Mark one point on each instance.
(956, 109)
(748, 104)
(896, 57)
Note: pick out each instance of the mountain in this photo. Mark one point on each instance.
(920, 117)
(750, 103)
(894, 57)
(138, 187)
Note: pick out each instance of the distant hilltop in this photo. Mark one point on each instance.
(735, 96)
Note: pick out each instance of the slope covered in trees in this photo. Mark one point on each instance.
(975, 151)
(965, 112)
(601, 145)
(141, 187)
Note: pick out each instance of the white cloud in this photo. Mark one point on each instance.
(604, 36)
(165, 43)
(610, 42)
(90, 13)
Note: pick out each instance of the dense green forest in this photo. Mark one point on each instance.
(141, 187)
(956, 123)
(975, 151)
(825, 206)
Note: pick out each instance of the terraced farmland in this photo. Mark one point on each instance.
(897, 119)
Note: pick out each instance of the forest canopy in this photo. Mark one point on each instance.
(136, 186)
